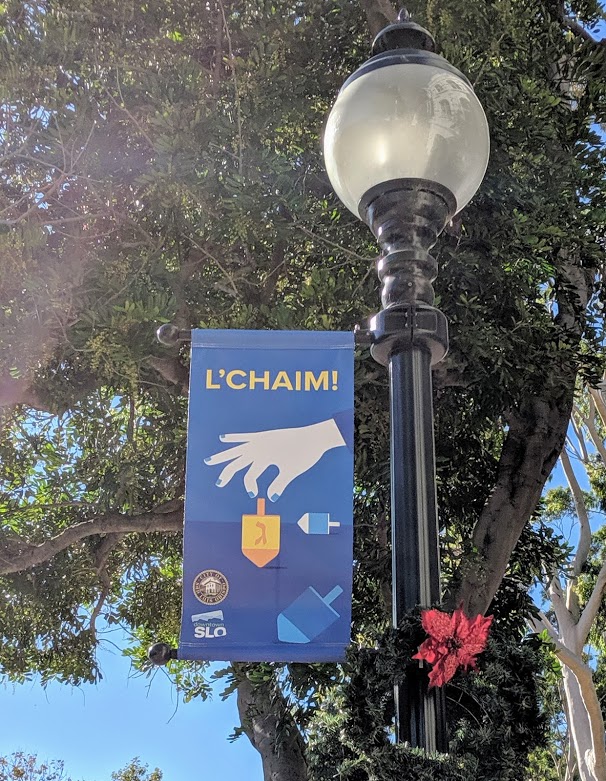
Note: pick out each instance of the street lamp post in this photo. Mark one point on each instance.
(406, 147)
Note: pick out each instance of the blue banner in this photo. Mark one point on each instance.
(268, 542)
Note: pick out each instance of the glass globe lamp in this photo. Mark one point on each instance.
(406, 114)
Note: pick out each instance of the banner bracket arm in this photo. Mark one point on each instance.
(171, 335)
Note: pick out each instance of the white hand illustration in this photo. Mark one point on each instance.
(292, 450)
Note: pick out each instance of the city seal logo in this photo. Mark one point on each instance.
(210, 587)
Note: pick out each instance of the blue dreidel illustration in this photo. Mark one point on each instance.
(316, 523)
(308, 616)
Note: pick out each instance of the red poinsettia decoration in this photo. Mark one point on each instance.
(454, 641)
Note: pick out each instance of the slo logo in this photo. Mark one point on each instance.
(209, 625)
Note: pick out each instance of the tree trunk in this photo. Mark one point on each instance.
(586, 734)
(536, 436)
(272, 731)
(379, 14)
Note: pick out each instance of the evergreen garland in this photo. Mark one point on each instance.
(494, 717)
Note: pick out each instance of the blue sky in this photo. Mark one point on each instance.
(98, 729)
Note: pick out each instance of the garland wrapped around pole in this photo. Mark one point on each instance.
(494, 717)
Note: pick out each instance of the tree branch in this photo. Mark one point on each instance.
(379, 14)
(234, 73)
(590, 610)
(583, 455)
(589, 423)
(536, 436)
(564, 654)
(576, 28)
(584, 677)
(534, 441)
(540, 624)
(106, 588)
(582, 552)
(571, 760)
(106, 546)
(560, 607)
(24, 555)
(596, 395)
(173, 371)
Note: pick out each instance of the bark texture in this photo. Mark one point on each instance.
(271, 730)
(535, 439)
(570, 630)
(584, 724)
(379, 14)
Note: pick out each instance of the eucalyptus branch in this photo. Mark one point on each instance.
(571, 762)
(566, 622)
(592, 606)
(584, 545)
(597, 398)
(583, 674)
(570, 752)
(564, 654)
(576, 453)
(583, 455)
(541, 624)
(592, 754)
(589, 423)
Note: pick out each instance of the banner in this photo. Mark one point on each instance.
(269, 497)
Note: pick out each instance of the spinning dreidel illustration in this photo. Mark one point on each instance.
(260, 536)
(316, 523)
(308, 616)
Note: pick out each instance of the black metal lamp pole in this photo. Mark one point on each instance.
(409, 336)
(406, 147)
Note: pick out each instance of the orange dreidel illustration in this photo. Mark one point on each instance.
(260, 536)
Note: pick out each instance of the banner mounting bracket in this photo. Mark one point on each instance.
(171, 335)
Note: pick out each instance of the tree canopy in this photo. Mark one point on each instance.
(27, 767)
(161, 163)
